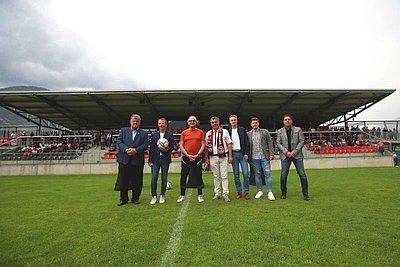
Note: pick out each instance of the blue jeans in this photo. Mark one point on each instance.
(265, 165)
(298, 163)
(154, 177)
(238, 159)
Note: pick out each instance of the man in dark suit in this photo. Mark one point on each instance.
(132, 142)
(241, 150)
(290, 141)
(160, 158)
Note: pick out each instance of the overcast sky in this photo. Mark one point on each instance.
(129, 44)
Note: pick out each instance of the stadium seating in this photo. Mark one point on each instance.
(113, 155)
(344, 150)
(19, 156)
(110, 154)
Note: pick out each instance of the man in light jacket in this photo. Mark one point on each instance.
(290, 141)
(261, 153)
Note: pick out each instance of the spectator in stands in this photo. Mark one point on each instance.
(381, 147)
(384, 131)
(290, 141)
(373, 131)
(14, 138)
(102, 141)
(360, 140)
(192, 144)
(219, 155)
(160, 158)
(390, 135)
(31, 135)
(261, 153)
(23, 138)
(26, 151)
(378, 132)
(108, 139)
(240, 154)
(132, 142)
(395, 160)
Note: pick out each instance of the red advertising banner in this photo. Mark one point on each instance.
(6, 139)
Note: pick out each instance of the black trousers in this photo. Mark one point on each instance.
(131, 178)
(196, 165)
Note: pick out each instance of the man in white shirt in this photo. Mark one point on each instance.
(218, 155)
(240, 154)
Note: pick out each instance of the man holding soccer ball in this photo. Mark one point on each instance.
(161, 145)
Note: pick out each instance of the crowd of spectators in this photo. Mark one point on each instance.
(53, 141)
(336, 139)
(46, 151)
(50, 145)
(51, 148)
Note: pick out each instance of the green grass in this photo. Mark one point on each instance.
(353, 218)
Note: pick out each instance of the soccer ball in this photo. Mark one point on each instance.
(163, 143)
(169, 185)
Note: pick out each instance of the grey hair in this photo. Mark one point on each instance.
(214, 118)
(197, 121)
(136, 116)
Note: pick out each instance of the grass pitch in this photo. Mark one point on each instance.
(353, 218)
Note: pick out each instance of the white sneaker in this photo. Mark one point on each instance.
(271, 196)
(162, 199)
(200, 198)
(180, 198)
(216, 197)
(226, 198)
(259, 194)
(153, 200)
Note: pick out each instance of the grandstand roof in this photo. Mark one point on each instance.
(112, 109)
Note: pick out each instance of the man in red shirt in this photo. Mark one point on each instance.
(192, 144)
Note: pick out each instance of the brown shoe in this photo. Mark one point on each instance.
(247, 196)
(239, 195)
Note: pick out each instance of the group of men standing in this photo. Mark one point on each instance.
(221, 147)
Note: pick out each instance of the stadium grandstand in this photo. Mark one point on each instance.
(80, 127)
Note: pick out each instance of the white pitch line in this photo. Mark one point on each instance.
(175, 239)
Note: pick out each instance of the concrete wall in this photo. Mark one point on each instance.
(10, 169)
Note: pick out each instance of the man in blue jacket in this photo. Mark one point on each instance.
(132, 143)
(160, 158)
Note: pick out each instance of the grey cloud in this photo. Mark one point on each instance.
(34, 50)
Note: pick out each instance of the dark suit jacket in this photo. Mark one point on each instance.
(154, 152)
(296, 142)
(124, 141)
(244, 140)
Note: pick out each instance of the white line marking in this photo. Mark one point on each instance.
(175, 239)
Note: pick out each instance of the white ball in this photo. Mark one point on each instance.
(169, 185)
(163, 143)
